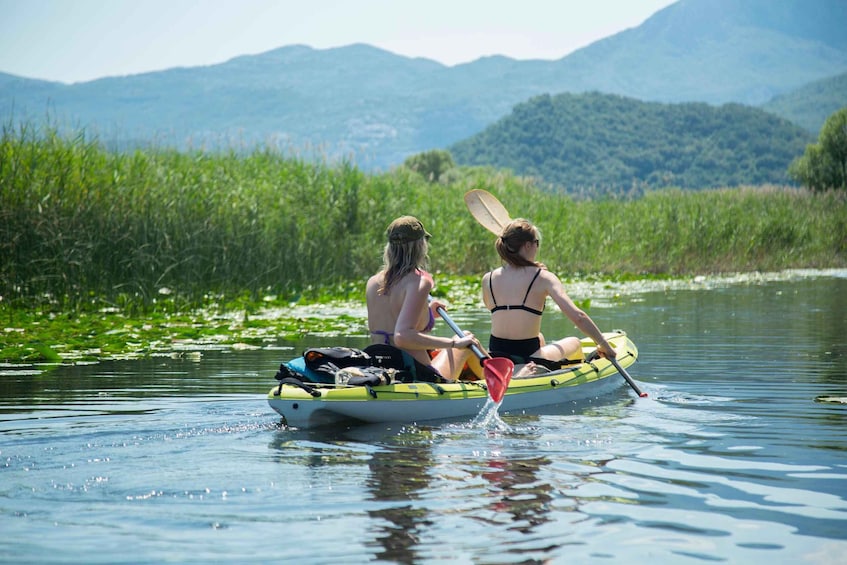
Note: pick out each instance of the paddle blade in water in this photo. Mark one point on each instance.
(498, 372)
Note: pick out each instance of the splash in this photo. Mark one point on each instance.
(489, 418)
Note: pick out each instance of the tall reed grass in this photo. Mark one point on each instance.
(80, 224)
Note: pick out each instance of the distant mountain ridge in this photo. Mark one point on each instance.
(377, 108)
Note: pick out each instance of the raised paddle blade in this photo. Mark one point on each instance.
(498, 373)
(487, 210)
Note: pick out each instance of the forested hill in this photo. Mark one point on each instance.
(810, 105)
(604, 142)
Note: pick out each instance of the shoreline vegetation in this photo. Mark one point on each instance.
(108, 254)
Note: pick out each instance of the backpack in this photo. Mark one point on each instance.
(322, 363)
(362, 376)
(408, 369)
(341, 357)
(383, 362)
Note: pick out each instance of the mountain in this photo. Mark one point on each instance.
(376, 108)
(608, 143)
(810, 105)
(718, 51)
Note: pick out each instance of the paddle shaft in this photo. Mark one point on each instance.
(627, 378)
(477, 351)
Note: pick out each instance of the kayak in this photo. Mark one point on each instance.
(314, 404)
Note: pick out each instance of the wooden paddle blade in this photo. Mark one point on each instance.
(487, 210)
(498, 373)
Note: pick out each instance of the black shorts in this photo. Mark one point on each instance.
(516, 349)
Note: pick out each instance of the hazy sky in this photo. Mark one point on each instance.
(79, 40)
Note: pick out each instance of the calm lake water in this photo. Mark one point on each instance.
(730, 459)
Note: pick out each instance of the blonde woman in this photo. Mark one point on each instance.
(516, 294)
(400, 313)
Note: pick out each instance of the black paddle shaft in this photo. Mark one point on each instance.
(477, 351)
(627, 378)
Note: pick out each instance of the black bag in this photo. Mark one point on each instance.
(385, 356)
(329, 360)
(389, 357)
(324, 359)
(361, 376)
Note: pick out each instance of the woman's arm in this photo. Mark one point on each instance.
(415, 302)
(580, 319)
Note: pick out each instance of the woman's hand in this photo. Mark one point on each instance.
(606, 350)
(463, 342)
(434, 305)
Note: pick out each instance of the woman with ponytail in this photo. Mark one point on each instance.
(516, 294)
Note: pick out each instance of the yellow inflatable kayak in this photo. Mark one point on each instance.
(310, 404)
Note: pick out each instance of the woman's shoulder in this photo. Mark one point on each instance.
(545, 273)
(424, 275)
(542, 273)
(418, 280)
(550, 281)
(375, 280)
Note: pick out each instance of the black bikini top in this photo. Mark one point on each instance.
(522, 305)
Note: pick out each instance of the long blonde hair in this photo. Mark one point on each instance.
(400, 259)
(517, 233)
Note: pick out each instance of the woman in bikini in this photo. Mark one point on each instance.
(399, 311)
(516, 293)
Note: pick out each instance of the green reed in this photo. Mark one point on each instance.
(676, 232)
(81, 225)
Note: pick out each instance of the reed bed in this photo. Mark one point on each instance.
(81, 225)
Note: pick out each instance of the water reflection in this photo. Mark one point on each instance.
(519, 493)
(391, 464)
(399, 472)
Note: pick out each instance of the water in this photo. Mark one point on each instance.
(729, 459)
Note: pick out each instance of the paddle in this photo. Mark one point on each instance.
(487, 210)
(493, 216)
(496, 370)
(626, 377)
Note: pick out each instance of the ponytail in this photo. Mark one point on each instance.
(515, 235)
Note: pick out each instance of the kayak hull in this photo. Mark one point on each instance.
(422, 401)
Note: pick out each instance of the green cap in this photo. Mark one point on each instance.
(405, 229)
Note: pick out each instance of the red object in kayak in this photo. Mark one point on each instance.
(497, 372)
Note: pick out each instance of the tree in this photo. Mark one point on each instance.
(430, 164)
(824, 164)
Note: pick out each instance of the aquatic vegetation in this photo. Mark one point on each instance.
(88, 235)
(39, 336)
